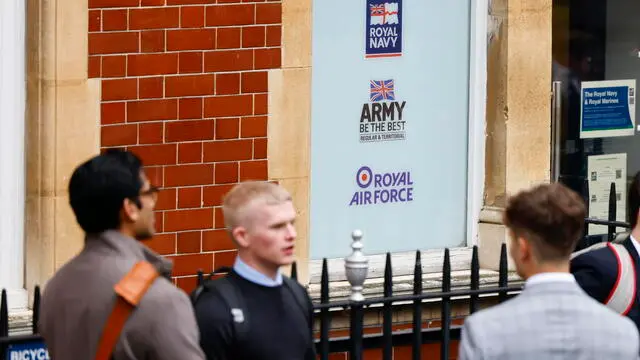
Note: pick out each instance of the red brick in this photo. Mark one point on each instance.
(112, 3)
(163, 244)
(188, 283)
(159, 217)
(223, 15)
(226, 173)
(114, 20)
(152, 2)
(152, 41)
(222, 106)
(151, 133)
(95, 20)
(218, 217)
(119, 89)
(154, 18)
(190, 62)
(189, 85)
(177, 131)
(113, 43)
(190, 264)
(217, 240)
(93, 67)
(254, 82)
(112, 113)
(225, 258)
(185, 175)
(260, 104)
(117, 135)
(212, 195)
(260, 148)
(155, 174)
(267, 58)
(189, 242)
(255, 126)
(232, 60)
(149, 110)
(191, 39)
(253, 36)
(150, 87)
(190, 108)
(114, 66)
(152, 64)
(227, 84)
(229, 150)
(228, 38)
(193, 219)
(189, 152)
(269, 13)
(274, 35)
(227, 128)
(190, 2)
(189, 197)
(253, 170)
(165, 154)
(192, 16)
(166, 199)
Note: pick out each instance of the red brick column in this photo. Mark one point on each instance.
(184, 85)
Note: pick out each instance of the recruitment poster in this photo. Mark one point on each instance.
(608, 108)
(389, 125)
(602, 171)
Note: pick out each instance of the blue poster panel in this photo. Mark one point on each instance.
(608, 108)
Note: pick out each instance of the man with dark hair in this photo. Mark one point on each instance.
(93, 307)
(552, 318)
(608, 271)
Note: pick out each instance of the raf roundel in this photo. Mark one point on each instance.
(364, 176)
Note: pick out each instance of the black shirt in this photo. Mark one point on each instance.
(279, 329)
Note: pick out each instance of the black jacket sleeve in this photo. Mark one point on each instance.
(596, 272)
(216, 328)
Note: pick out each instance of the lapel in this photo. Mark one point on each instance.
(628, 244)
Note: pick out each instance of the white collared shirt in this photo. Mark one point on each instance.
(548, 277)
(635, 244)
(253, 275)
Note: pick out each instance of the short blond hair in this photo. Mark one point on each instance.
(245, 193)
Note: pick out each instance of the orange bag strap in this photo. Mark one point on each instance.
(130, 291)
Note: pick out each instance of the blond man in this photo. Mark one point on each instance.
(255, 312)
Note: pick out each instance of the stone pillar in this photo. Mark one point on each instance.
(12, 150)
(518, 111)
(63, 129)
(289, 124)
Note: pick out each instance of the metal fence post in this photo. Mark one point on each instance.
(356, 268)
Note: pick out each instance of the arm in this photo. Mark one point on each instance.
(595, 272)
(174, 333)
(469, 346)
(216, 330)
(311, 353)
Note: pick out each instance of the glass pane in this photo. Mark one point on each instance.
(389, 132)
(596, 56)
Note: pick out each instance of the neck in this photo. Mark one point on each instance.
(126, 231)
(636, 232)
(266, 270)
(547, 268)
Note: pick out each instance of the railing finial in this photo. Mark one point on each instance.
(356, 267)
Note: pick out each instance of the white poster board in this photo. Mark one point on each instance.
(602, 171)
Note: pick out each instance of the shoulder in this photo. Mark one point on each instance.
(492, 320)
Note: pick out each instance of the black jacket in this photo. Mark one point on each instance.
(597, 271)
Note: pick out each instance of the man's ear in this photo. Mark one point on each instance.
(130, 210)
(524, 249)
(239, 233)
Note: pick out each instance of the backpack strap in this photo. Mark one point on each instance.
(231, 295)
(299, 295)
(623, 294)
(129, 292)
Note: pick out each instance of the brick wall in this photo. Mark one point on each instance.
(184, 85)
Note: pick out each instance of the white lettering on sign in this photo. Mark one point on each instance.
(30, 354)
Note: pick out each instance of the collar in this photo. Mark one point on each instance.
(130, 248)
(253, 275)
(635, 243)
(549, 277)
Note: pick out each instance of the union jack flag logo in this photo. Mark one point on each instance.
(385, 13)
(381, 90)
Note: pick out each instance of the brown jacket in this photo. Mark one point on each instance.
(78, 299)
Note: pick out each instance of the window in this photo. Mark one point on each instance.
(397, 125)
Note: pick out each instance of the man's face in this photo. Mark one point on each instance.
(144, 224)
(270, 233)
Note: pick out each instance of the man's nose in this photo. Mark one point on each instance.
(291, 232)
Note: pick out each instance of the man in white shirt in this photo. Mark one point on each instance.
(552, 318)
